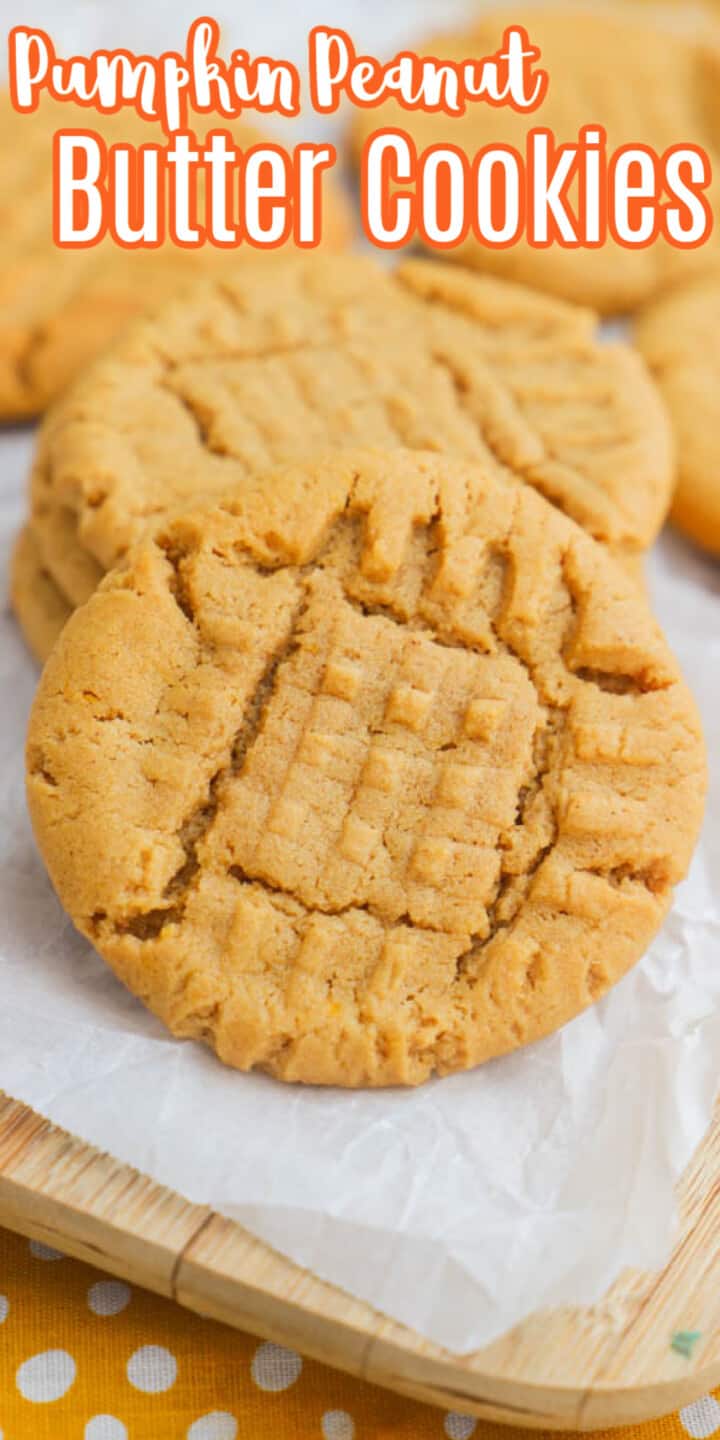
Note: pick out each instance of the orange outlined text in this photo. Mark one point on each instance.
(161, 87)
(192, 189)
(421, 82)
(193, 193)
(573, 195)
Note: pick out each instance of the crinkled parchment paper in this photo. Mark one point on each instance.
(458, 1208)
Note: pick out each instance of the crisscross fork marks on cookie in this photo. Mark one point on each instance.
(370, 770)
(349, 812)
(245, 377)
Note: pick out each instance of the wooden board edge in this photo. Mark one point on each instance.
(164, 1251)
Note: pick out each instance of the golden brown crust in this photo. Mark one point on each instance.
(651, 83)
(73, 569)
(380, 768)
(60, 308)
(679, 337)
(39, 606)
(243, 376)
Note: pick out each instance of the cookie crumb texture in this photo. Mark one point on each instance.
(379, 770)
(255, 373)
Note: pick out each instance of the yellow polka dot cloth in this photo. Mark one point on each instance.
(87, 1357)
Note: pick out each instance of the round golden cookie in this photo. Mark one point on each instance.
(680, 339)
(644, 80)
(39, 605)
(339, 352)
(380, 769)
(58, 307)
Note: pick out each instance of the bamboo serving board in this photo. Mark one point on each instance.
(581, 1369)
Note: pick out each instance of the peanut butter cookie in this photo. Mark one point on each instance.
(39, 605)
(680, 339)
(378, 769)
(260, 371)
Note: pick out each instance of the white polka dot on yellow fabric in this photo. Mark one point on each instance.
(4, 1308)
(44, 1252)
(275, 1368)
(702, 1418)
(108, 1297)
(152, 1369)
(46, 1376)
(217, 1425)
(459, 1427)
(105, 1427)
(337, 1425)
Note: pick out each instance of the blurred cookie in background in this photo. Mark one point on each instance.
(679, 337)
(650, 79)
(60, 307)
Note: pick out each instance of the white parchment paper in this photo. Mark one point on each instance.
(458, 1208)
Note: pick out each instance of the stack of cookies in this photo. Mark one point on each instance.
(358, 753)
